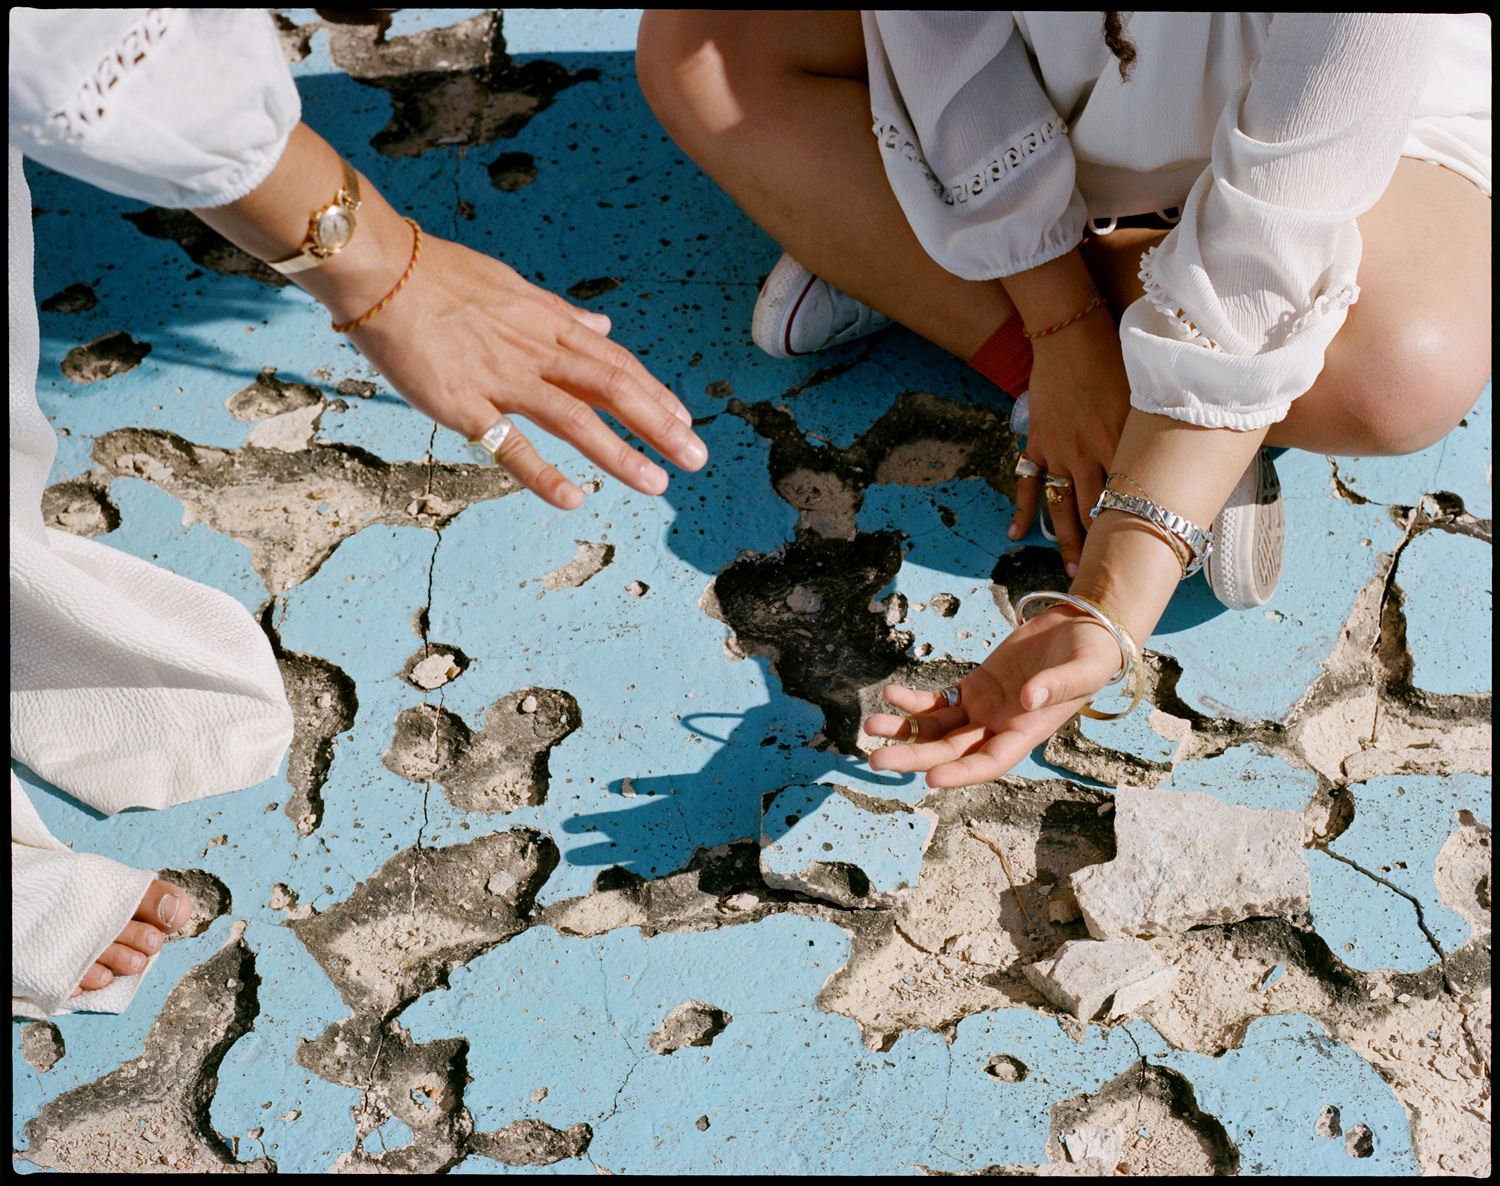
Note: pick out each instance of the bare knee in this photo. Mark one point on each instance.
(1409, 386)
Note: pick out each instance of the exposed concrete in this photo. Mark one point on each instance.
(692, 1023)
(42, 1045)
(1186, 859)
(151, 1115)
(293, 509)
(500, 768)
(590, 562)
(1328, 1123)
(1085, 973)
(80, 507)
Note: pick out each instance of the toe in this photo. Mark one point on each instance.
(142, 937)
(165, 906)
(122, 960)
(97, 977)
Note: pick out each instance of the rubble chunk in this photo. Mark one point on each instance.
(945, 605)
(1086, 972)
(434, 671)
(42, 1045)
(1328, 1122)
(692, 1023)
(1185, 859)
(1360, 1141)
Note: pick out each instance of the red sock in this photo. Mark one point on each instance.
(1005, 358)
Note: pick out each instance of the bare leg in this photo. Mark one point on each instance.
(1414, 353)
(774, 107)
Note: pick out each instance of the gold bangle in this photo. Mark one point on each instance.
(416, 250)
(1087, 309)
(1130, 653)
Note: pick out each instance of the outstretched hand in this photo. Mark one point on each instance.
(1028, 686)
(469, 338)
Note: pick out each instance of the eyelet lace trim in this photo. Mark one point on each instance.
(1326, 304)
(892, 138)
(87, 109)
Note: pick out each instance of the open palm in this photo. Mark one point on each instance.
(1002, 713)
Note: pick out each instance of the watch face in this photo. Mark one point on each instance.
(335, 227)
(480, 454)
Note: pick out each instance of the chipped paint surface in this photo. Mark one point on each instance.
(508, 905)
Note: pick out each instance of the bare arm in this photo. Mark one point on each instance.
(1043, 672)
(468, 338)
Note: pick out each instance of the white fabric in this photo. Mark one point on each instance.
(130, 686)
(181, 107)
(1001, 132)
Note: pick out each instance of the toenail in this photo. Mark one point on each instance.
(136, 962)
(167, 911)
(153, 940)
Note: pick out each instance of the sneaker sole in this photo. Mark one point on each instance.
(776, 308)
(1252, 524)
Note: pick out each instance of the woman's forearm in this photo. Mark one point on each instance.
(1186, 469)
(271, 223)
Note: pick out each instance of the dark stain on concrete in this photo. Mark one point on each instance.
(106, 356)
(452, 86)
(76, 298)
(80, 507)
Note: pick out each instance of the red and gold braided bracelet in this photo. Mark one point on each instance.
(1087, 309)
(416, 250)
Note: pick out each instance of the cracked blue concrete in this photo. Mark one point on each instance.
(786, 1087)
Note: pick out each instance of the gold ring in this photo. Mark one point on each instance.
(1056, 495)
(911, 729)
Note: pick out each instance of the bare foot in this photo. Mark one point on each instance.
(164, 909)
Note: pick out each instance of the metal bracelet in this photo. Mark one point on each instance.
(1198, 541)
(1131, 660)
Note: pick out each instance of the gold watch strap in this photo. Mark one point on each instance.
(311, 255)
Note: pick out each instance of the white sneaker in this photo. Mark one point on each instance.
(1244, 564)
(797, 313)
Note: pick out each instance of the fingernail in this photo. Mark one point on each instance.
(167, 911)
(1072, 570)
(1039, 698)
(108, 976)
(696, 452)
(1014, 532)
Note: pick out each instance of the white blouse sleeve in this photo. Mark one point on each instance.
(1243, 297)
(975, 153)
(178, 107)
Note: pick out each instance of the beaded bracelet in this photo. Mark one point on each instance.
(416, 250)
(1087, 309)
(1131, 661)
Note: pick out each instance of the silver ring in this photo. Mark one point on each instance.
(950, 693)
(1027, 468)
(486, 449)
(1058, 483)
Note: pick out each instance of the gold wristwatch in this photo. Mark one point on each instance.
(330, 230)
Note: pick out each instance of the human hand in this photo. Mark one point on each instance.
(1028, 686)
(469, 338)
(1079, 400)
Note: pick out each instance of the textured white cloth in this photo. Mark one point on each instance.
(130, 686)
(1002, 132)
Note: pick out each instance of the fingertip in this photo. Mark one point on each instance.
(1033, 698)
(1014, 531)
(567, 497)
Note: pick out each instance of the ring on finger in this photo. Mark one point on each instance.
(1027, 468)
(950, 694)
(1057, 494)
(1058, 482)
(911, 730)
(485, 450)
